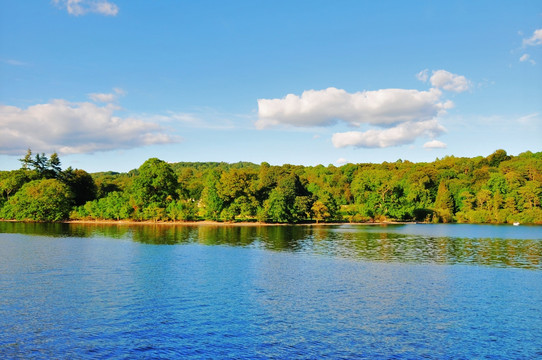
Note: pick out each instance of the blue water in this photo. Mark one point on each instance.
(102, 293)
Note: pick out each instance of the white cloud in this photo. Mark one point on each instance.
(434, 144)
(384, 107)
(401, 134)
(534, 40)
(527, 57)
(423, 75)
(445, 80)
(106, 8)
(394, 116)
(74, 128)
(82, 7)
(106, 98)
(341, 161)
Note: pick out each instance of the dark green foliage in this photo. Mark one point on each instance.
(287, 202)
(107, 182)
(422, 215)
(81, 184)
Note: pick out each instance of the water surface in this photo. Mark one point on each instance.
(405, 292)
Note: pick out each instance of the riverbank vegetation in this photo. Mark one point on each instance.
(495, 189)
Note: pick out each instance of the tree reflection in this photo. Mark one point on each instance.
(368, 243)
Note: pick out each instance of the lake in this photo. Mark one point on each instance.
(281, 292)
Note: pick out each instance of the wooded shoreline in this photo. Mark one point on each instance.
(496, 189)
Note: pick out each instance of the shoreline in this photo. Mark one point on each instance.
(224, 224)
(218, 223)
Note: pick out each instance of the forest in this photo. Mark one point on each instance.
(498, 188)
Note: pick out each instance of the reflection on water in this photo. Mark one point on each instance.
(251, 292)
(502, 246)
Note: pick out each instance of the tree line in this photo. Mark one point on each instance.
(498, 188)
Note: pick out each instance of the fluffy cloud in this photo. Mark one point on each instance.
(74, 128)
(394, 116)
(434, 144)
(534, 40)
(385, 107)
(401, 134)
(445, 80)
(82, 7)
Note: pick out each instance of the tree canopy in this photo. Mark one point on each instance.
(41, 200)
(498, 188)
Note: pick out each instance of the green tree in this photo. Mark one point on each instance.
(53, 166)
(40, 200)
(497, 157)
(321, 211)
(444, 203)
(155, 183)
(45, 168)
(467, 200)
(237, 190)
(276, 207)
(81, 184)
(497, 184)
(372, 189)
(11, 182)
(281, 205)
(303, 208)
(114, 206)
(531, 194)
(190, 184)
(184, 210)
(483, 198)
(212, 204)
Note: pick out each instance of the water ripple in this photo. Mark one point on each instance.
(314, 293)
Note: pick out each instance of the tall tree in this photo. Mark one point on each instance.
(444, 203)
(211, 201)
(45, 168)
(155, 183)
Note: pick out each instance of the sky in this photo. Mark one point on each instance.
(108, 84)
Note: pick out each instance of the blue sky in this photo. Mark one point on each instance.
(110, 83)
